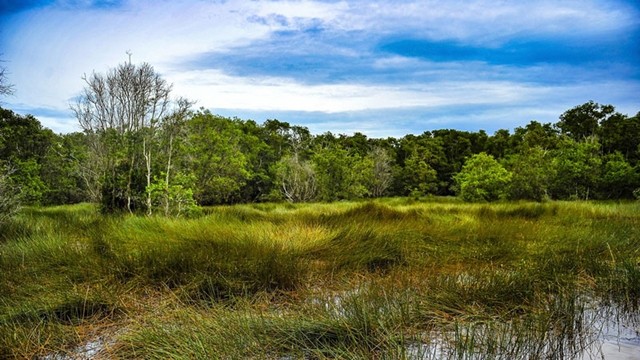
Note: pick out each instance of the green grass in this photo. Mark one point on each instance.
(394, 278)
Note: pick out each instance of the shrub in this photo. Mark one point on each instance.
(482, 178)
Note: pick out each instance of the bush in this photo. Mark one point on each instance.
(482, 178)
(175, 199)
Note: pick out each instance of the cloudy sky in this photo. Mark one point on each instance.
(384, 68)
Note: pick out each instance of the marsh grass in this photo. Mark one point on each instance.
(395, 278)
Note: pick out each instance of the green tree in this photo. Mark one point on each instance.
(456, 146)
(576, 168)
(355, 144)
(584, 120)
(339, 174)
(264, 146)
(171, 188)
(214, 155)
(482, 178)
(619, 179)
(620, 133)
(535, 134)
(419, 177)
(499, 145)
(24, 145)
(418, 159)
(23, 137)
(62, 171)
(532, 174)
(175, 198)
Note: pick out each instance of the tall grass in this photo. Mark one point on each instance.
(395, 278)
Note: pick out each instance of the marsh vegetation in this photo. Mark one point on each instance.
(387, 279)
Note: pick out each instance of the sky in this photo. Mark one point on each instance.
(383, 68)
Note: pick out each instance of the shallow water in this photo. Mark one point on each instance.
(613, 351)
(619, 340)
(608, 336)
(88, 350)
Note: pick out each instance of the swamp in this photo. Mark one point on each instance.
(394, 278)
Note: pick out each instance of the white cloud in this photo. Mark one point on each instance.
(48, 49)
(213, 88)
(487, 22)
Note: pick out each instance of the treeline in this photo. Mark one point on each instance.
(142, 151)
(591, 152)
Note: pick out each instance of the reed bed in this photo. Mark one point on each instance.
(385, 279)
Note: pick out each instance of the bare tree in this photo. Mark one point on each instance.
(122, 111)
(5, 87)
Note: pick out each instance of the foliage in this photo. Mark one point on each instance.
(27, 174)
(122, 112)
(380, 164)
(535, 134)
(576, 167)
(531, 174)
(297, 179)
(419, 177)
(24, 146)
(456, 146)
(619, 178)
(582, 122)
(593, 152)
(9, 196)
(619, 133)
(339, 173)
(215, 157)
(174, 199)
(64, 172)
(482, 178)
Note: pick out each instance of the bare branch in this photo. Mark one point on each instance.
(5, 87)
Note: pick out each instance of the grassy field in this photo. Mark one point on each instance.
(390, 279)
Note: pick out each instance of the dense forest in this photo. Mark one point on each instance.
(142, 151)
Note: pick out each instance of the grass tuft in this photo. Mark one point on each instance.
(387, 279)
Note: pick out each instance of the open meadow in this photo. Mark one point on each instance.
(388, 279)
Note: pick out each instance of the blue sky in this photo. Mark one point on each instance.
(384, 68)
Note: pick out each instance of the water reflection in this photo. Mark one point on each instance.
(619, 335)
(602, 332)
